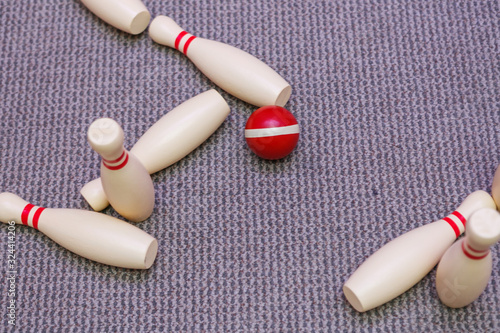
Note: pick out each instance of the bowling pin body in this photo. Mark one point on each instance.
(128, 15)
(495, 187)
(237, 72)
(171, 138)
(127, 184)
(92, 235)
(405, 260)
(465, 268)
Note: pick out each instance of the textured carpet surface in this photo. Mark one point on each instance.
(399, 108)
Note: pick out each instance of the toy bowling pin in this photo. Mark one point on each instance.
(92, 235)
(465, 268)
(237, 72)
(495, 187)
(405, 260)
(128, 15)
(171, 138)
(126, 182)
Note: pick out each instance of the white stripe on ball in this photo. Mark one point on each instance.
(272, 131)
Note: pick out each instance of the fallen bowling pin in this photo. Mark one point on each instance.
(171, 138)
(237, 72)
(128, 15)
(92, 235)
(495, 187)
(126, 182)
(405, 260)
(465, 268)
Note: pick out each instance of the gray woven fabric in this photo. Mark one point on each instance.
(399, 108)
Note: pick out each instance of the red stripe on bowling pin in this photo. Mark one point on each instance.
(180, 37)
(108, 164)
(26, 213)
(117, 160)
(468, 252)
(36, 217)
(188, 43)
(453, 224)
(460, 217)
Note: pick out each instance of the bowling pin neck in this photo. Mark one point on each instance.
(458, 219)
(163, 30)
(483, 230)
(118, 163)
(106, 138)
(473, 253)
(13, 208)
(473, 202)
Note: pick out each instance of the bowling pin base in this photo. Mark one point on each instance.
(95, 195)
(283, 97)
(150, 256)
(353, 299)
(139, 23)
(127, 15)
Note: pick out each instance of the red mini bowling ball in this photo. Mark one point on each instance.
(272, 132)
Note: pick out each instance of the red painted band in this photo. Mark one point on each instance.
(471, 256)
(453, 226)
(36, 217)
(187, 44)
(116, 167)
(26, 213)
(117, 160)
(473, 250)
(179, 38)
(460, 217)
